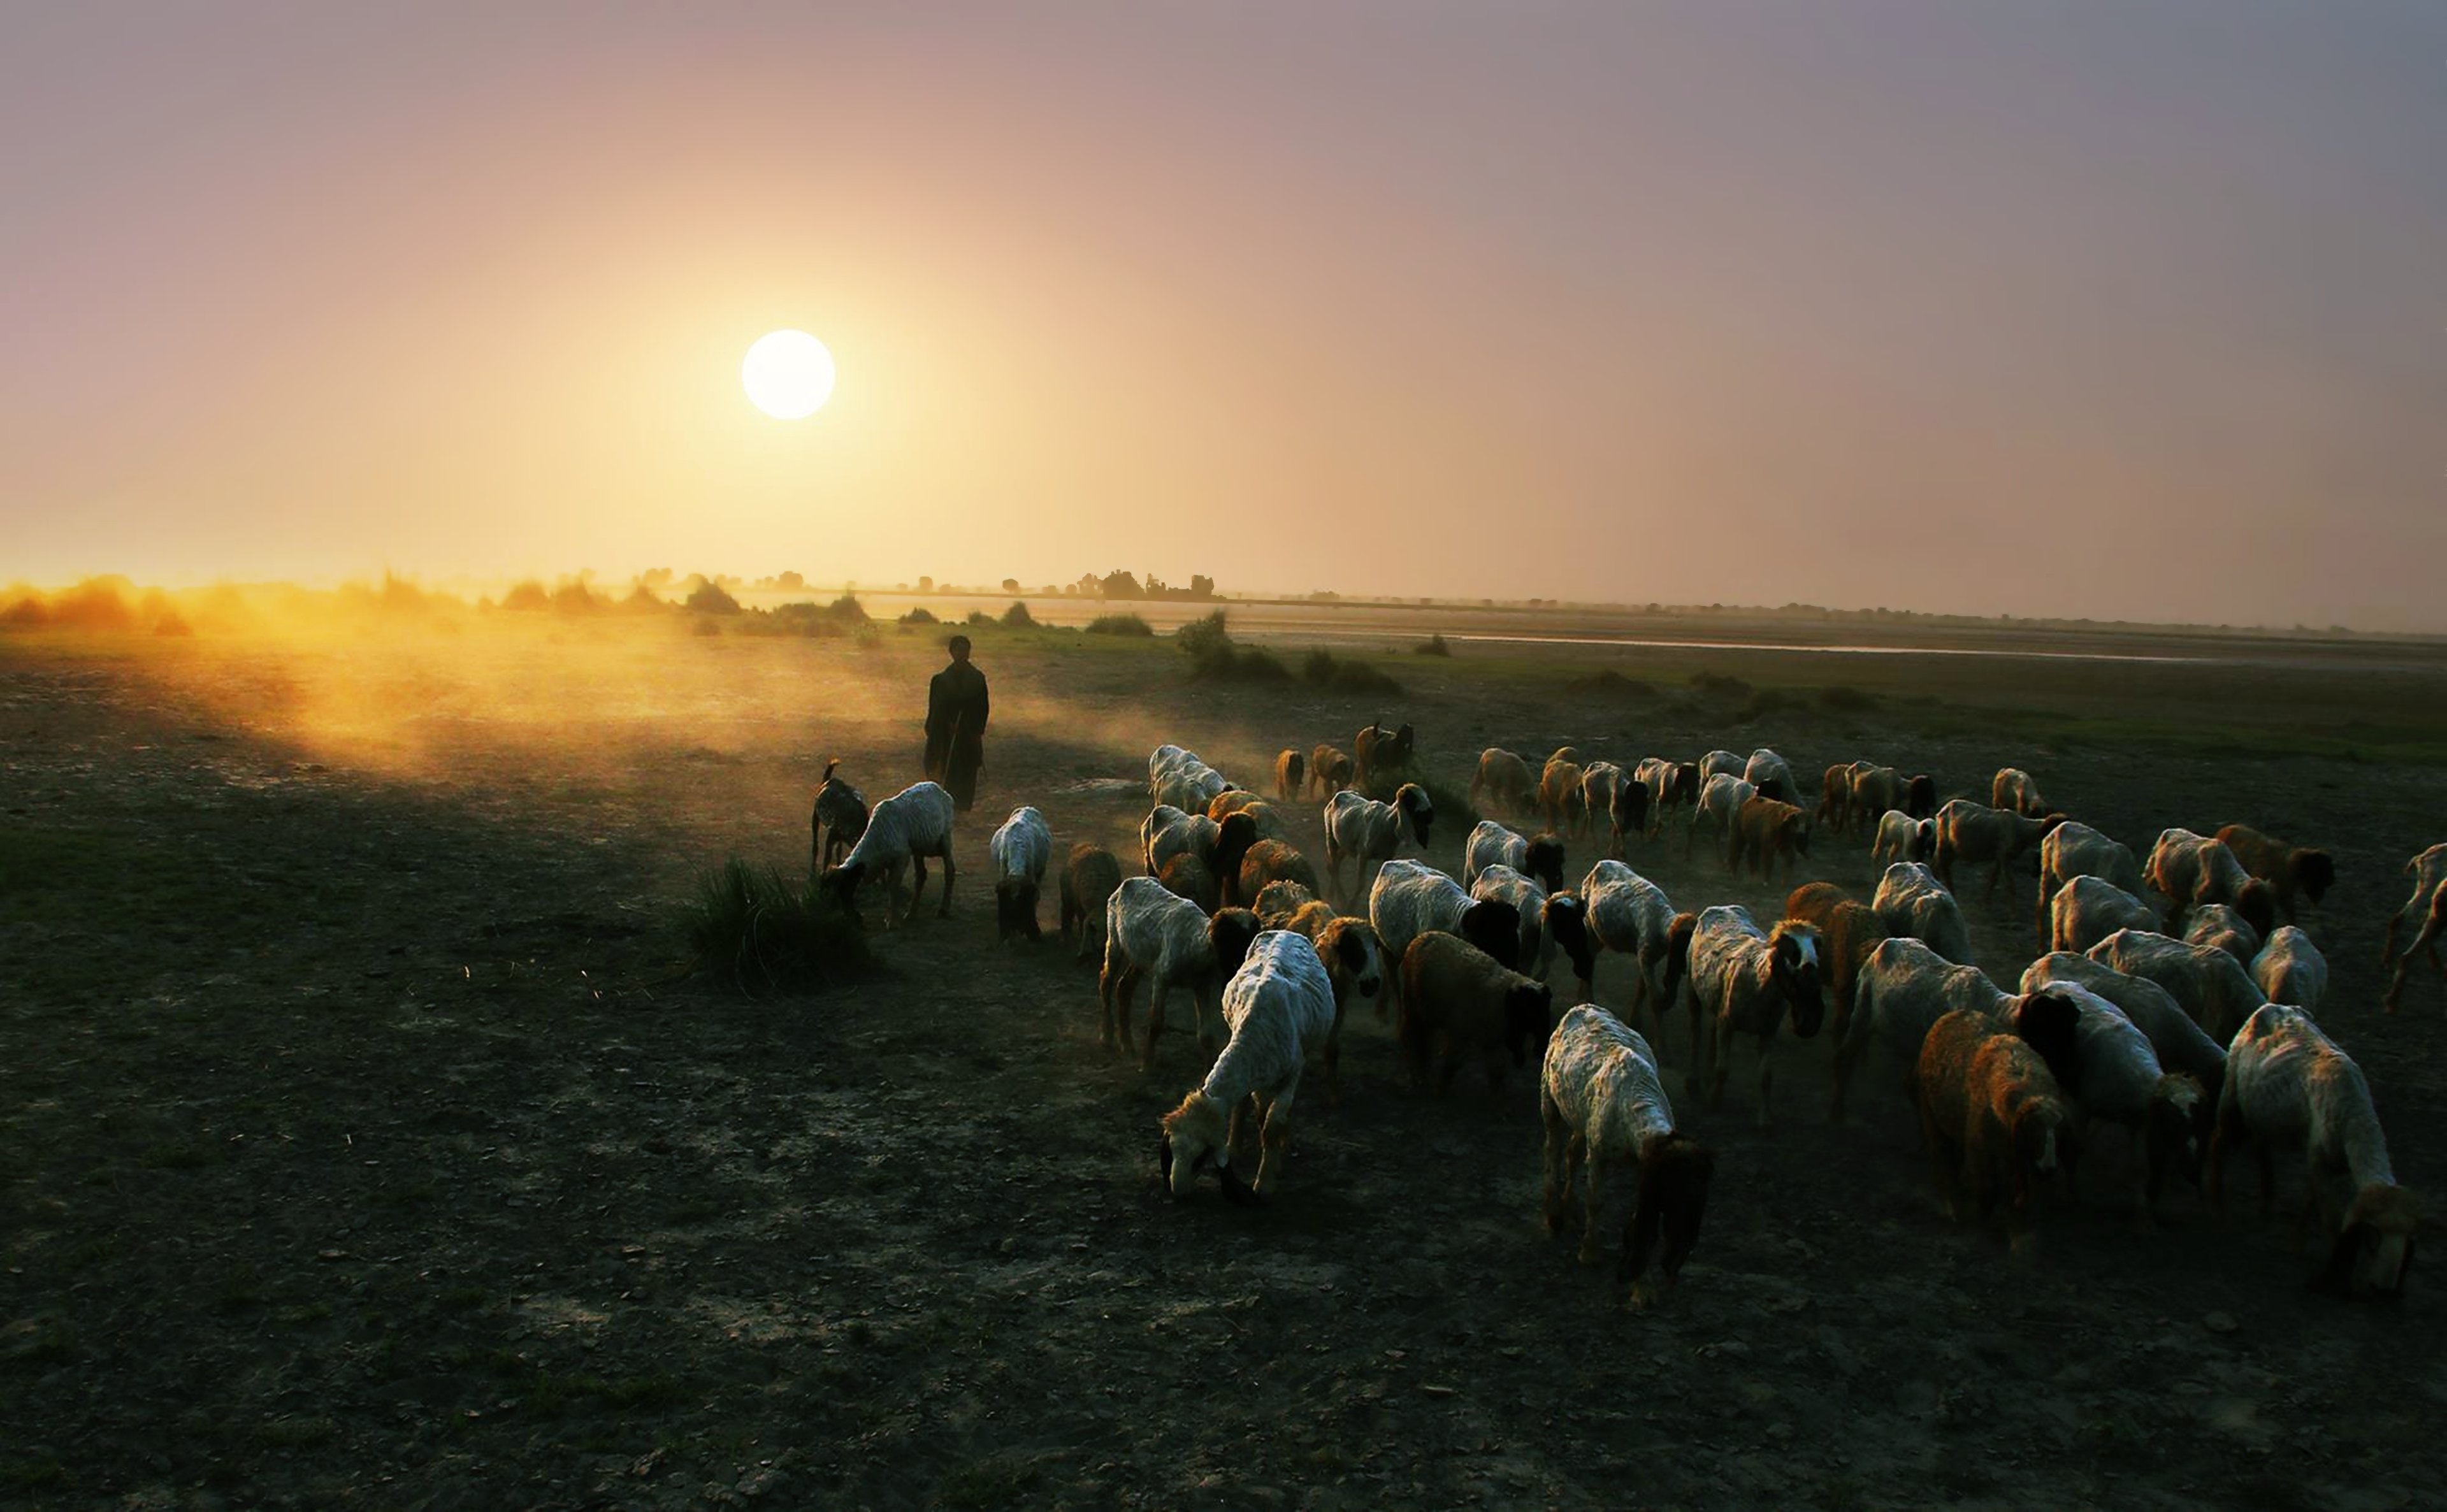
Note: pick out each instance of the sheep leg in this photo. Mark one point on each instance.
(1156, 996)
(1591, 1234)
(1767, 1076)
(1273, 1142)
(1720, 1060)
(2387, 948)
(1847, 1052)
(1334, 1061)
(1108, 982)
(1554, 1160)
(943, 908)
(1945, 1165)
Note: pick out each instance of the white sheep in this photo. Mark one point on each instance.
(2289, 1086)
(1875, 791)
(1168, 832)
(2180, 1044)
(1632, 916)
(1910, 900)
(2088, 909)
(2193, 869)
(1548, 921)
(1368, 831)
(1720, 804)
(1607, 789)
(1409, 898)
(2219, 925)
(1771, 775)
(2121, 1081)
(1724, 762)
(1492, 844)
(1745, 980)
(2290, 970)
(1970, 832)
(1668, 783)
(2074, 849)
(1168, 941)
(1279, 1003)
(1178, 779)
(2212, 985)
(2013, 790)
(1902, 837)
(904, 830)
(1902, 988)
(1604, 1107)
(2425, 944)
(1022, 848)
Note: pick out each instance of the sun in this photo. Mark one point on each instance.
(788, 374)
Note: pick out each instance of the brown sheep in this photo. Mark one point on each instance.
(1767, 830)
(1504, 783)
(1272, 861)
(2425, 943)
(1277, 902)
(1329, 770)
(1089, 879)
(1875, 791)
(2291, 871)
(1560, 797)
(1188, 875)
(1354, 963)
(1291, 775)
(1995, 1121)
(1835, 796)
(1381, 751)
(1848, 932)
(1457, 1002)
(1975, 832)
(2013, 790)
(1920, 796)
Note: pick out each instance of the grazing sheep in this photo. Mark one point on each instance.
(1369, 831)
(1848, 932)
(1607, 789)
(2291, 871)
(904, 830)
(1902, 988)
(1771, 776)
(1902, 837)
(2428, 871)
(2424, 944)
(1720, 802)
(1970, 832)
(2216, 924)
(1268, 862)
(1717, 762)
(1912, 901)
(1153, 935)
(1268, 820)
(2118, 1080)
(1458, 1002)
(1187, 875)
(1176, 778)
(1021, 850)
(2193, 869)
(2180, 1044)
(1745, 980)
(1993, 1116)
(1670, 785)
(1278, 1004)
(1279, 902)
(1291, 775)
(1767, 830)
(2208, 983)
(840, 809)
(2072, 850)
(2288, 1085)
(1355, 964)
(1503, 783)
(2290, 970)
(2013, 790)
(1492, 844)
(1382, 750)
(1560, 797)
(1329, 770)
(1549, 921)
(1168, 832)
(1835, 796)
(1089, 879)
(1876, 791)
(1632, 916)
(1412, 899)
(1920, 796)
(1605, 1107)
(2088, 910)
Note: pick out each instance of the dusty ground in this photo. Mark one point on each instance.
(358, 1144)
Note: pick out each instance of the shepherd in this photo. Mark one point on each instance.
(955, 726)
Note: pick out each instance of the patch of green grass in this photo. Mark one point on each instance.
(765, 935)
(1121, 625)
(1323, 668)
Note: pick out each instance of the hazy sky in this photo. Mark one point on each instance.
(2107, 309)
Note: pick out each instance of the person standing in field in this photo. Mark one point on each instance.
(956, 726)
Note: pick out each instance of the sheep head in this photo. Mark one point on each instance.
(2374, 1249)
(1197, 1135)
(1568, 925)
(1494, 926)
(2314, 872)
(1674, 1173)
(1920, 796)
(1793, 967)
(1544, 861)
(2172, 1134)
(1233, 838)
(1796, 832)
(1528, 1009)
(1352, 952)
(1416, 806)
(1231, 932)
(2050, 1025)
(1678, 956)
(840, 887)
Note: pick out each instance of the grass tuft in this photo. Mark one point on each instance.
(1120, 625)
(1435, 645)
(1323, 668)
(768, 936)
(1018, 618)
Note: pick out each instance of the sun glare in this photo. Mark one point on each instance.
(788, 374)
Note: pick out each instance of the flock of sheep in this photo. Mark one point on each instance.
(2201, 1045)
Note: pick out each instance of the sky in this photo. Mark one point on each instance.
(2093, 308)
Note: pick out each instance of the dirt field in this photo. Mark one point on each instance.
(361, 1146)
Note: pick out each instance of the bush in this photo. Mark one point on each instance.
(1433, 646)
(847, 610)
(1719, 685)
(979, 619)
(1844, 699)
(704, 625)
(919, 616)
(1018, 618)
(530, 595)
(708, 598)
(1203, 637)
(1769, 701)
(767, 936)
(869, 636)
(1322, 669)
(1119, 625)
(1611, 684)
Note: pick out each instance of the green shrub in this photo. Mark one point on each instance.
(979, 619)
(1203, 637)
(1322, 669)
(1720, 685)
(847, 610)
(1018, 618)
(1611, 684)
(530, 595)
(919, 616)
(708, 598)
(1120, 625)
(766, 935)
(1433, 646)
(869, 636)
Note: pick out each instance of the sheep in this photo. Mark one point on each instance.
(904, 830)
(1720, 760)
(1279, 902)
(1607, 789)
(1902, 988)
(1975, 832)
(1268, 820)
(1549, 921)
(840, 808)
(1409, 898)
(1291, 775)
(1848, 932)
(1902, 837)
(1152, 935)
(1021, 850)
(2291, 871)
(1719, 802)
(1329, 770)
(1188, 875)
(2216, 924)
(1631, 915)
(2288, 1083)
(1560, 797)
(1178, 779)
(1355, 964)
(2180, 1044)
(2425, 944)
(1767, 830)
(2072, 850)
(2089, 909)
(1369, 831)
(2193, 869)
(2290, 970)
(1747, 981)
(1911, 900)
(1835, 796)
(1876, 791)
(1920, 796)
(1605, 1107)
(2428, 871)
(1503, 781)
(2119, 1079)
(1670, 785)
(2212, 985)
(1268, 862)
(1993, 1117)
(1089, 879)
(1457, 1001)
(1492, 844)
(2013, 790)
(1279, 1003)
(1166, 832)
(1771, 776)
(1382, 750)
